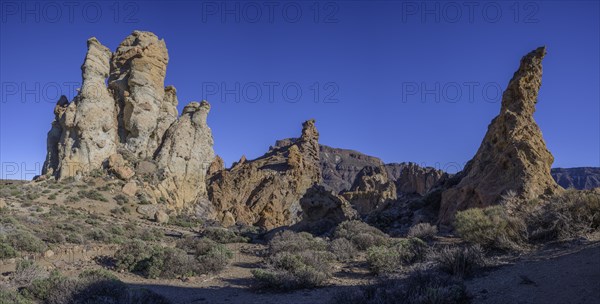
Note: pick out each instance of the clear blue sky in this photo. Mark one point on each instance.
(381, 65)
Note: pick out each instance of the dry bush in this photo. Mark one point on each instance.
(424, 231)
(223, 235)
(361, 234)
(383, 259)
(459, 261)
(296, 260)
(26, 272)
(569, 215)
(420, 287)
(343, 249)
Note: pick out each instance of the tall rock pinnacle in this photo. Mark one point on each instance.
(513, 155)
(132, 125)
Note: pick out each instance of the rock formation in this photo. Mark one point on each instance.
(372, 191)
(412, 178)
(513, 154)
(341, 166)
(323, 210)
(266, 191)
(583, 178)
(131, 126)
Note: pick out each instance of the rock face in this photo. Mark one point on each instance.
(266, 191)
(323, 210)
(340, 168)
(131, 126)
(411, 178)
(372, 191)
(513, 154)
(583, 178)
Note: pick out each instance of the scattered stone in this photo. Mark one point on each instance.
(130, 189)
(161, 217)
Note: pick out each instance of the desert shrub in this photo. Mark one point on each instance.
(569, 215)
(410, 250)
(6, 251)
(91, 286)
(296, 260)
(295, 242)
(92, 194)
(164, 262)
(25, 241)
(492, 227)
(26, 272)
(288, 270)
(361, 234)
(75, 238)
(211, 256)
(343, 249)
(13, 297)
(121, 199)
(459, 261)
(424, 231)
(151, 234)
(185, 220)
(52, 197)
(420, 287)
(131, 253)
(223, 235)
(72, 199)
(383, 259)
(55, 237)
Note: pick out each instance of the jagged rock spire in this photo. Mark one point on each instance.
(513, 155)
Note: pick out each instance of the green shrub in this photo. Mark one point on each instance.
(7, 251)
(12, 297)
(92, 194)
(458, 261)
(186, 221)
(492, 227)
(410, 250)
(289, 241)
(223, 235)
(288, 271)
(121, 199)
(424, 231)
(383, 259)
(211, 256)
(25, 241)
(131, 253)
(361, 234)
(343, 249)
(26, 272)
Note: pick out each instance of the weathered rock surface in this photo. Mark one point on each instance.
(582, 178)
(131, 128)
(186, 154)
(323, 210)
(266, 191)
(412, 178)
(513, 154)
(372, 190)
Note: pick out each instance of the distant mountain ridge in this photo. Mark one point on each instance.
(578, 178)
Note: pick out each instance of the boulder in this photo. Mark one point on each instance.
(130, 189)
(323, 210)
(161, 217)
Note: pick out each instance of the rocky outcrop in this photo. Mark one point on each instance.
(341, 166)
(130, 128)
(266, 191)
(411, 178)
(186, 154)
(323, 210)
(372, 191)
(583, 178)
(513, 155)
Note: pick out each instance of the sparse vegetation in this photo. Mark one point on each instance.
(343, 249)
(361, 234)
(296, 260)
(424, 231)
(459, 261)
(492, 227)
(223, 235)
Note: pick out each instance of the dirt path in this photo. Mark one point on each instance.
(557, 276)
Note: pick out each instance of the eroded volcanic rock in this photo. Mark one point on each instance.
(266, 191)
(372, 191)
(411, 178)
(131, 127)
(513, 154)
(323, 210)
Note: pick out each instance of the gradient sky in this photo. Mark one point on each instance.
(401, 80)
